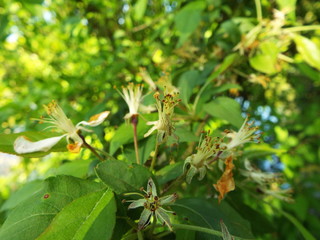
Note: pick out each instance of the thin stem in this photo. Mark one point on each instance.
(85, 144)
(154, 159)
(215, 158)
(202, 229)
(107, 155)
(285, 58)
(302, 28)
(140, 236)
(134, 121)
(258, 10)
(197, 228)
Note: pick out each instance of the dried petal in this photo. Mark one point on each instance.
(226, 182)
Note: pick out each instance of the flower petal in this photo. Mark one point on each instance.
(163, 217)
(226, 182)
(150, 131)
(137, 203)
(168, 199)
(151, 188)
(23, 145)
(95, 120)
(144, 218)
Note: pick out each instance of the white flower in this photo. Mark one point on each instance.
(165, 112)
(133, 97)
(152, 206)
(207, 148)
(59, 120)
(244, 135)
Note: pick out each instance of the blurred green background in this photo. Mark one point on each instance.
(75, 52)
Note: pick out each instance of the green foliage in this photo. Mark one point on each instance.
(122, 177)
(204, 65)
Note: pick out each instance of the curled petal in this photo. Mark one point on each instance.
(151, 130)
(95, 120)
(202, 172)
(144, 218)
(163, 217)
(192, 171)
(23, 145)
(168, 199)
(226, 182)
(137, 203)
(151, 188)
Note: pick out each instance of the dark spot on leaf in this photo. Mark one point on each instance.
(46, 196)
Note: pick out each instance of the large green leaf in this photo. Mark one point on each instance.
(121, 176)
(187, 82)
(78, 168)
(22, 194)
(7, 141)
(309, 51)
(77, 218)
(225, 108)
(265, 60)
(208, 214)
(207, 90)
(32, 216)
(170, 172)
(188, 19)
(140, 8)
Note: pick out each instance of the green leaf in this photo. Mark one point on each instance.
(121, 176)
(32, 1)
(309, 51)
(208, 214)
(227, 62)
(261, 150)
(266, 58)
(170, 172)
(7, 141)
(22, 194)
(32, 216)
(76, 219)
(4, 20)
(78, 168)
(305, 233)
(205, 92)
(140, 8)
(188, 19)
(225, 108)
(186, 83)
(185, 135)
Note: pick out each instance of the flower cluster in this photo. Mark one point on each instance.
(211, 149)
(207, 149)
(58, 119)
(152, 206)
(247, 133)
(165, 108)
